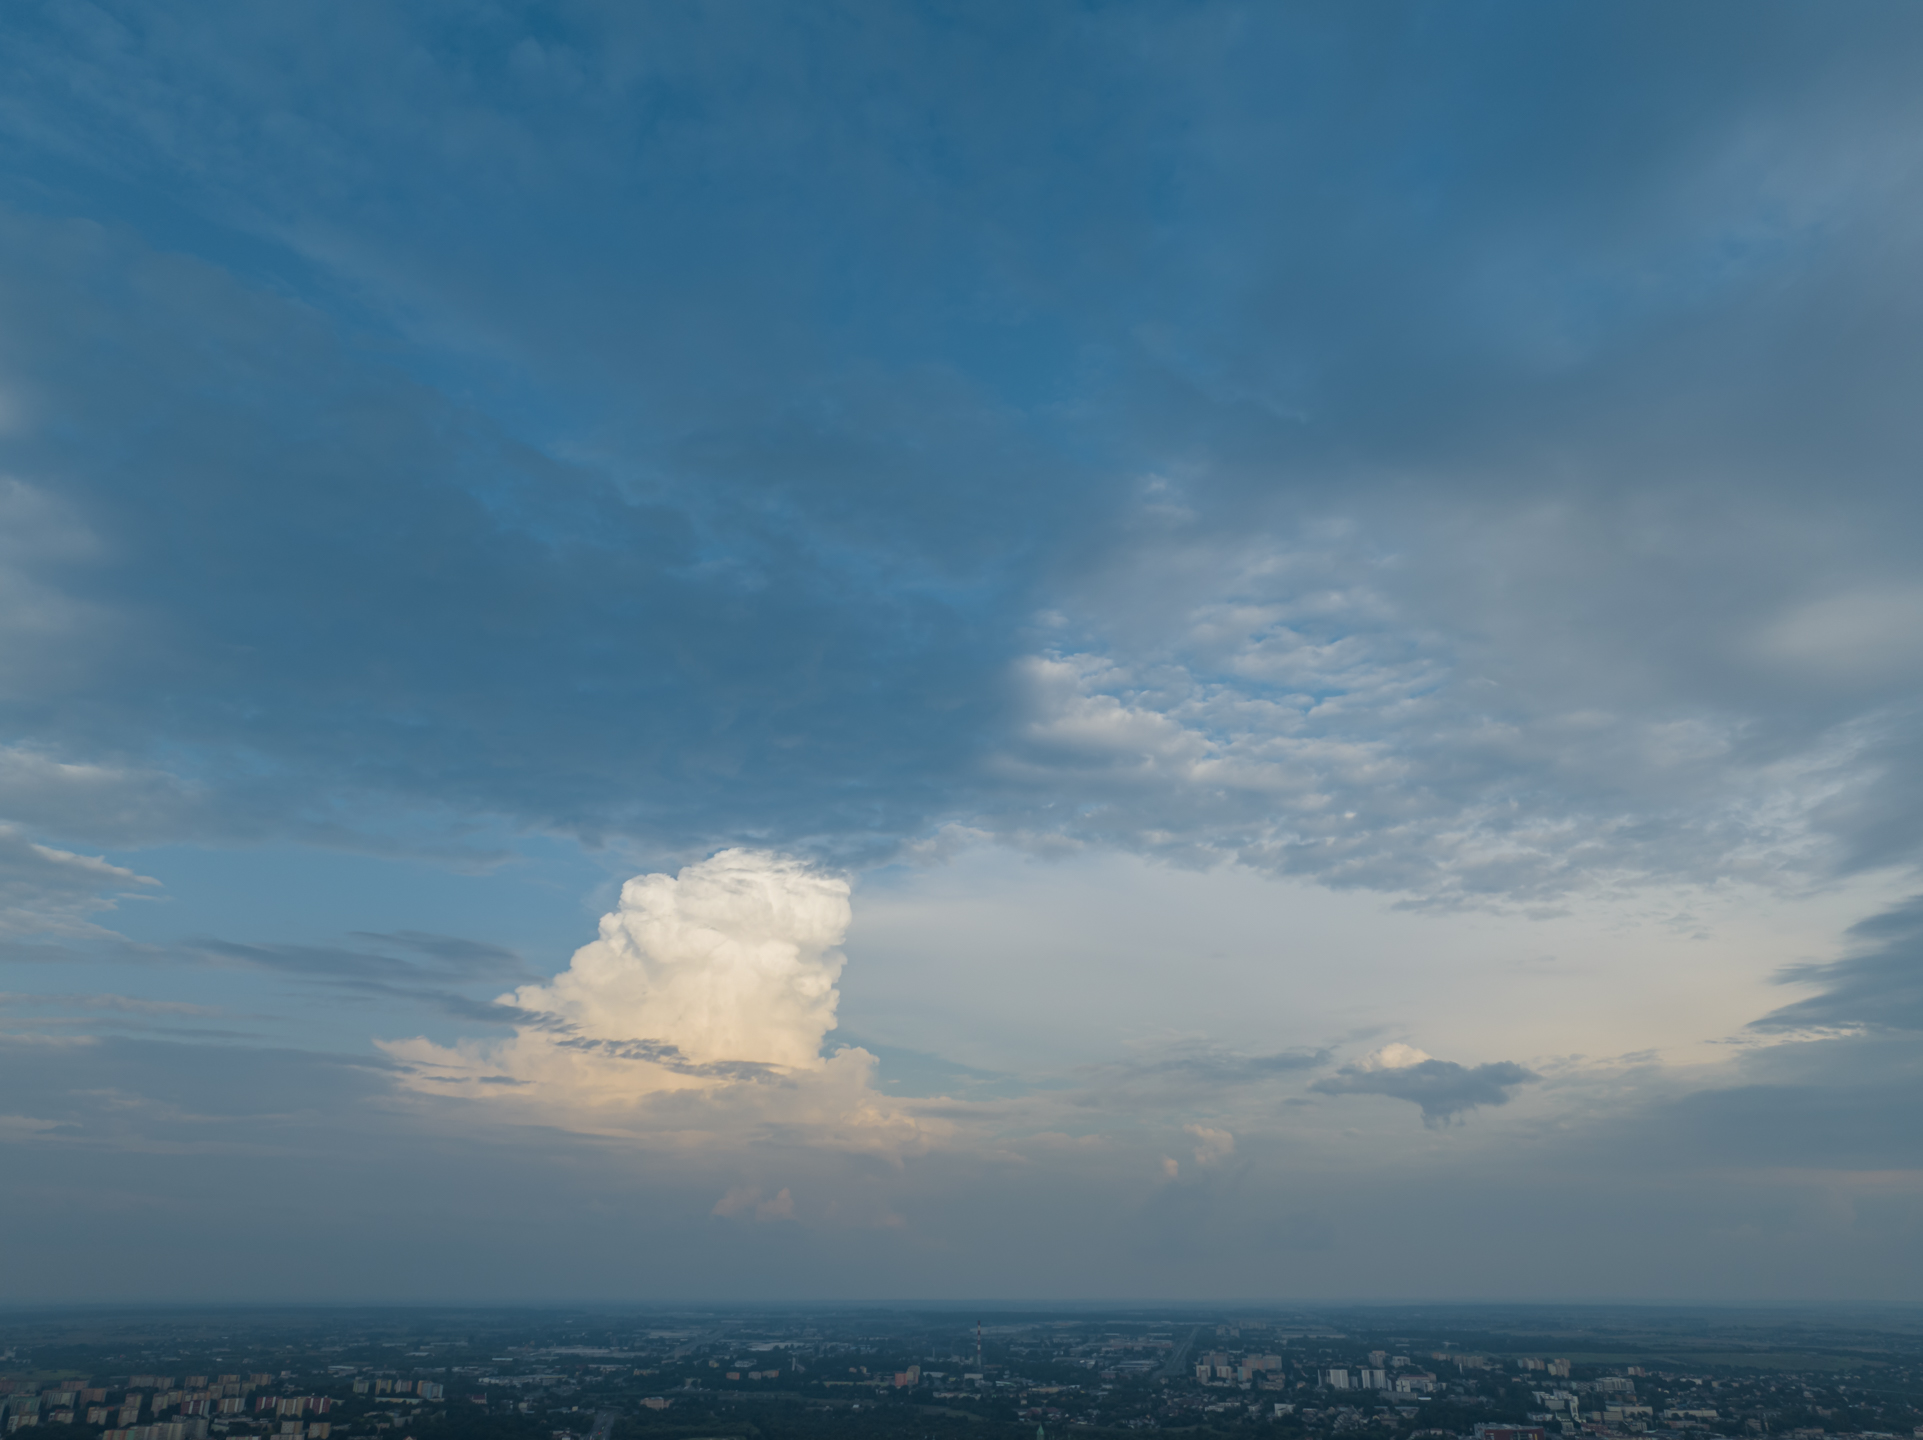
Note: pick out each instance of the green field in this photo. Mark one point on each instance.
(1779, 1360)
(1738, 1359)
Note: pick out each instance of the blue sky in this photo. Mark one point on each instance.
(1256, 650)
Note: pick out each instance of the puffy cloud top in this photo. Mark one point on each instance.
(732, 959)
(1396, 1056)
(697, 1018)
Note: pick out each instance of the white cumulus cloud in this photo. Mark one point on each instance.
(700, 1013)
(1395, 1056)
(732, 960)
(1212, 1146)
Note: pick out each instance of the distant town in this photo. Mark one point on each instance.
(1373, 1375)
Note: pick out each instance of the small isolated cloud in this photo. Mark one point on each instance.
(780, 1207)
(1859, 634)
(745, 1199)
(1182, 1076)
(27, 1127)
(1212, 1146)
(107, 804)
(113, 1004)
(406, 965)
(1171, 1167)
(740, 1198)
(1442, 1089)
(44, 891)
(698, 1015)
(1394, 1056)
(408, 957)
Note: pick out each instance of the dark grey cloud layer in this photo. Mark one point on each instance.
(1879, 986)
(1444, 1090)
(605, 427)
(395, 641)
(429, 971)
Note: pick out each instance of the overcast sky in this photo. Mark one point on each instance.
(1066, 651)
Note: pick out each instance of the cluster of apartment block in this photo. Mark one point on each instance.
(1375, 1377)
(198, 1399)
(303, 1430)
(1619, 1407)
(190, 1429)
(1465, 1362)
(183, 1411)
(288, 1409)
(75, 1402)
(423, 1389)
(1510, 1432)
(284, 1405)
(56, 1404)
(1217, 1368)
